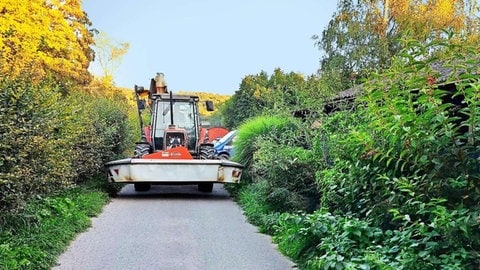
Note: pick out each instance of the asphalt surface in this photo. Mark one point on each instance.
(172, 227)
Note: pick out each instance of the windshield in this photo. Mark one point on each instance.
(183, 117)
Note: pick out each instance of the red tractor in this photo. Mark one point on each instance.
(171, 150)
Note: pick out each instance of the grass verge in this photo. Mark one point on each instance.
(35, 238)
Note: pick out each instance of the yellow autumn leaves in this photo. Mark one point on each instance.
(420, 17)
(45, 37)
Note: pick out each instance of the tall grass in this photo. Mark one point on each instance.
(251, 132)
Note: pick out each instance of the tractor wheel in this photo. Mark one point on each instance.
(142, 187)
(207, 152)
(205, 187)
(141, 149)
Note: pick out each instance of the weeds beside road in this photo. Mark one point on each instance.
(34, 239)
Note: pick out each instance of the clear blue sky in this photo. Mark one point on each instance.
(211, 45)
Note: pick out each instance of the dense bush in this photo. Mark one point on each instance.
(280, 165)
(290, 174)
(252, 132)
(325, 241)
(99, 132)
(397, 178)
(52, 140)
(32, 158)
(411, 145)
(406, 166)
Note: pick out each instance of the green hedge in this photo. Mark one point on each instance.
(276, 150)
(404, 169)
(50, 141)
(253, 131)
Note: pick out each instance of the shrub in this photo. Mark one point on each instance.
(322, 240)
(252, 199)
(325, 241)
(98, 133)
(248, 135)
(290, 174)
(51, 141)
(410, 165)
(276, 150)
(32, 158)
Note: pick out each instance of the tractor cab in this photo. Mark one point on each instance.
(175, 122)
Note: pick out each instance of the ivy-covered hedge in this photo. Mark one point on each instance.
(51, 140)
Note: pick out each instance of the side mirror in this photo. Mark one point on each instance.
(209, 105)
(140, 91)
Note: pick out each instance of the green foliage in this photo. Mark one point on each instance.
(99, 132)
(280, 93)
(289, 171)
(407, 165)
(250, 133)
(51, 141)
(325, 241)
(397, 179)
(410, 144)
(31, 155)
(244, 104)
(35, 239)
(276, 152)
(253, 199)
(352, 49)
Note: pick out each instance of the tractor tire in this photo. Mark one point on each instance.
(207, 152)
(205, 187)
(142, 149)
(142, 187)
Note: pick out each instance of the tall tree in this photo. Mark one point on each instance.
(108, 56)
(109, 53)
(45, 37)
(246, 102)
(351, 47)
(363, 34)
(280, 92)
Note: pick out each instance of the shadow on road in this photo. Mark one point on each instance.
(174, 192)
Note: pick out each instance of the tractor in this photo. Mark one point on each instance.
(173, 149)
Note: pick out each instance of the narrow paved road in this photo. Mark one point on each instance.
(172, 227)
